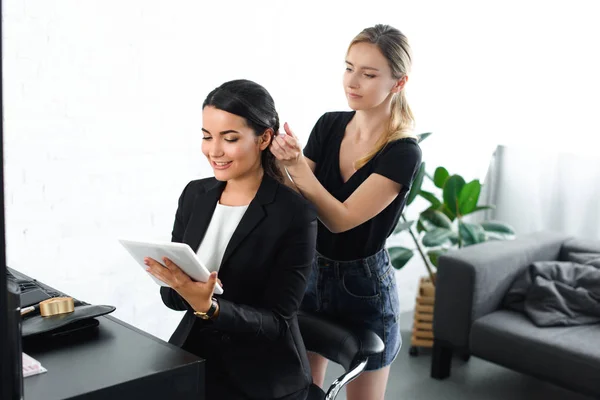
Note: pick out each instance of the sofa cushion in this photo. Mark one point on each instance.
(567, 356)
(583, 258)
(576, 245)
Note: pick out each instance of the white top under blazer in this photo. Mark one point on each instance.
(223, 223)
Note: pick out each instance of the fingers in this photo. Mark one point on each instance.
(170, 264)
(287, 144)
(156, 269)
(153, 264)
(289, 139)
(288, 130)
(277, 150)
(292, 143)
(169, 273)
(220, 283)
(212, 279)
(212, 282)
(286, 148)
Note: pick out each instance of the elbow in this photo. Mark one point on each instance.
(273, 327)
(336, 229)
(282, 327)
(339, 228)
(344, 221)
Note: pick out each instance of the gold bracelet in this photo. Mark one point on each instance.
(57, 305)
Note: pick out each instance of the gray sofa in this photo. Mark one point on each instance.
(469, 317)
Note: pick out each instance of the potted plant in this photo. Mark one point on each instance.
(441, 227)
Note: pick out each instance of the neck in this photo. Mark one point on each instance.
(241, 191)
(372, 123)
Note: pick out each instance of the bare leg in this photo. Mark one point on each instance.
(369, 385)
(318, 367)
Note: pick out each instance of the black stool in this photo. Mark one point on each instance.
(346, 345)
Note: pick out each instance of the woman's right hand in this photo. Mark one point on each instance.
(286, 147)
(197, 294)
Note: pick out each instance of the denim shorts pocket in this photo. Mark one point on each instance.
(387, 277)
(390, 293)
(361, 286)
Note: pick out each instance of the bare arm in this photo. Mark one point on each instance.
(369, 199)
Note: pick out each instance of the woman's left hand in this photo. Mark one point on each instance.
(197, 294)
(286, 147)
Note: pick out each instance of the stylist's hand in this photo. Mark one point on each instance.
(197, 294)
(286, 147)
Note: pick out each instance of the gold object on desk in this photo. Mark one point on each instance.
(57, 305)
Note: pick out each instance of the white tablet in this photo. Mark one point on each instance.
(180, 253)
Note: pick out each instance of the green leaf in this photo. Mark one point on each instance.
(434, 255)
(399, 256)
(497, 227)
(436, 237)
(436, 218)
(420, 226)
(447, 212)
(468, 197)
(430, 197)
(452, 189)
(471, 233)
(440, 176)
(485, 207)
(423, 136)
(401, 226)
(416, 186)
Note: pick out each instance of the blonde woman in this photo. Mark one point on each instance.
(357, 168)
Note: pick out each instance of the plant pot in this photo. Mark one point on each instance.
(422, 331)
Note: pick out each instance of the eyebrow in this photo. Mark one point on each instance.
(352, 65)
(222, 132)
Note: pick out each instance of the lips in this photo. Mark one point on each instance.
(354, 96)
(221, 164)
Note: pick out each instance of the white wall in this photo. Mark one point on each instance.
(102, 109)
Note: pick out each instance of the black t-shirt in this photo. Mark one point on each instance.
(398, 161)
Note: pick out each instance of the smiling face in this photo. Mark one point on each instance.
(368, 80)
(230, 145)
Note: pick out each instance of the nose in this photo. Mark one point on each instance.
(352, 81)
(216, 149)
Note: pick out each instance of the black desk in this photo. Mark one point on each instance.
(118, 361)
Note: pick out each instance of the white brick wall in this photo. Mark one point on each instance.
(102, 109)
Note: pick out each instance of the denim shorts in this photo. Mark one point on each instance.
(359, 292)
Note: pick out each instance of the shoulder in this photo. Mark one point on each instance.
(295, 205)
(198, 186)
(328, 124)
(405, 148)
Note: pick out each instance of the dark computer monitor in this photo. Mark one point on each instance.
(11, 372)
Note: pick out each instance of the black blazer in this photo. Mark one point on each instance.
(254, 344)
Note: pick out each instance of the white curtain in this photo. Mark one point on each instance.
(534, 189)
